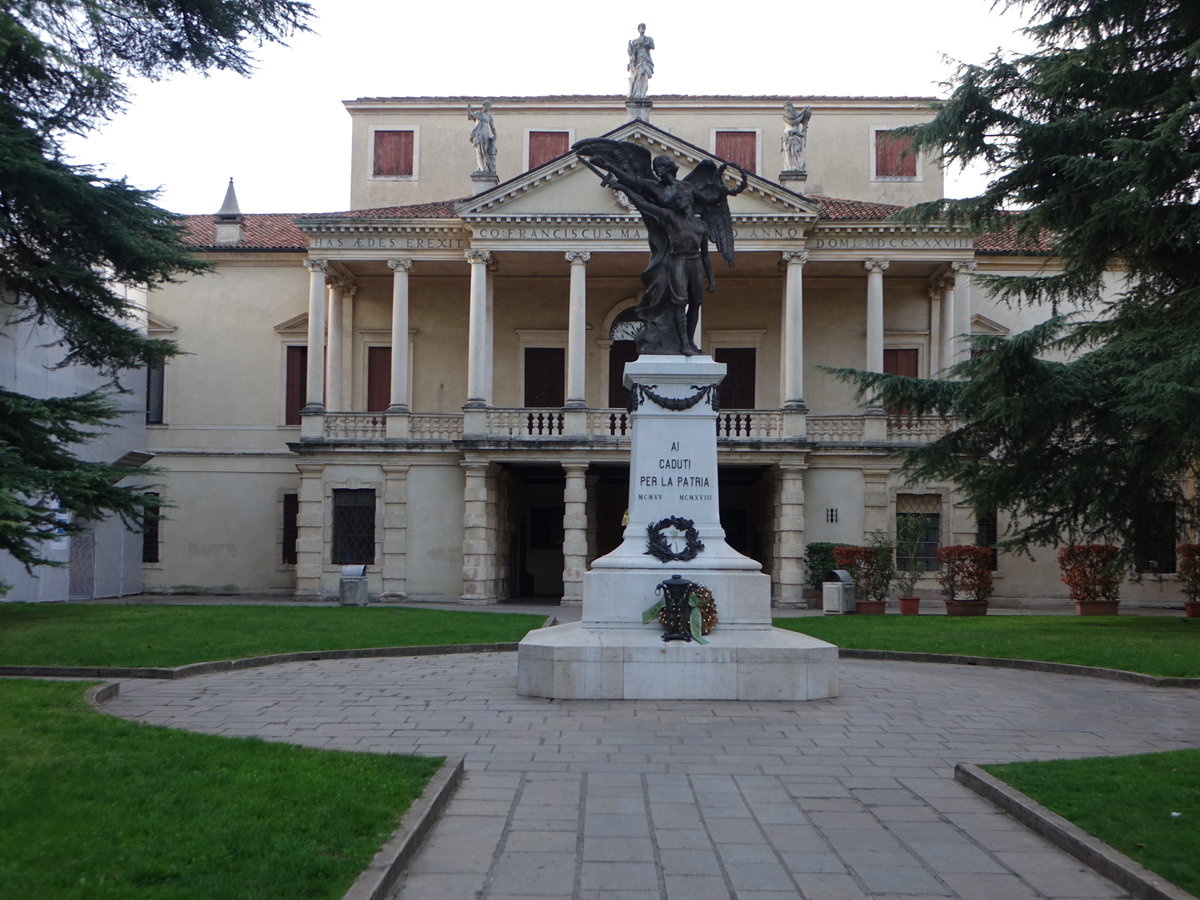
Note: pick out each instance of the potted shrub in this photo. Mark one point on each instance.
(966, 579)
(1189, 578)
(909, 568)
(872, 569)
(1092, 574)
(818, 560)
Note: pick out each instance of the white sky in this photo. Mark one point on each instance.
(284, 136)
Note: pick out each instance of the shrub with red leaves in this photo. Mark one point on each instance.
(966, 572)
(1189, 570)
(1090, 571)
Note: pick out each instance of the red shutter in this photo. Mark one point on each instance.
(901, 362)
(393, 153)
(546, 145)
(296, 384)
(379, 378)
(737, 390)
(545, 376)
(892, 158)
(738, 147)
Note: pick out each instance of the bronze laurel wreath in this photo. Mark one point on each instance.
(659, 547)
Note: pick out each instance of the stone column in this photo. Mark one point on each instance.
(875, 424)
(577, 329)
(489, 344)
(935, 327)
(963, 274)
(333, 345)
(477, 349)
(398, 402)
(315, 387)
(874, 267)
(789, 575)
(479, 552)
(395, 532)
(793, 329)
(575, 523)
(310, 541)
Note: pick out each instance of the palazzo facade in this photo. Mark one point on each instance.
(429, 384)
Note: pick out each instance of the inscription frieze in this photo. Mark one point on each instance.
(389, 242)
(888, 242)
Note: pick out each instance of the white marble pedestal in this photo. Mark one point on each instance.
(610, 654)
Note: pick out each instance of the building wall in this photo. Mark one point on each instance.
(838, 155)
(108, 558)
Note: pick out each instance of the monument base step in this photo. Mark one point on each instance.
(572, 662)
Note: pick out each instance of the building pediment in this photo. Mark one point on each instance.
(563, 198)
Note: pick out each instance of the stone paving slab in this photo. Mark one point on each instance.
(841, 799)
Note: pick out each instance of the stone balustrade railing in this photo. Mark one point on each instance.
(732, 424)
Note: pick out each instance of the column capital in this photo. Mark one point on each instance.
(478, 256)
(577, 468)
(581, 257)
(875, 265)
(397, 264)
(340, 282)
(794, 257)
(317, 265)
(964, 266)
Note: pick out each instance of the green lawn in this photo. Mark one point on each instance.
(41, 634)
(95, 807)
(1128, 802)
(1163, 646)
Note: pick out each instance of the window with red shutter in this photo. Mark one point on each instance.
(546, 145)
(739, 147)
(545, 376)
(379, 378)
(902, 362)
(892, 156)
(295, 384)
(393, 154)
(737, 390)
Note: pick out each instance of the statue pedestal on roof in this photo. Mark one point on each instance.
(674, 529)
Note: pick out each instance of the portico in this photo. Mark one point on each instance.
(501, 323)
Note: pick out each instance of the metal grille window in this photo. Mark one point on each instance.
(927, 509)
(987, 533)
(1154, 545)
(150, 519)
(291, 514)
(354, 527)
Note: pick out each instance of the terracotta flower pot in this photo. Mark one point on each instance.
(1191, 608)
(870, 607)
(910, 606)
(966, 608)
(1097, 607)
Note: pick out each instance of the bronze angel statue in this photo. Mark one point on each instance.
(681, 216)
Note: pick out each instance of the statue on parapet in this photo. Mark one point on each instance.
(641, 65)
(681, 216)
(483, 138)
(795, 136)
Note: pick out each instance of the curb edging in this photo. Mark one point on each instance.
(1092, 852)
(1030, 665)
(381, 874)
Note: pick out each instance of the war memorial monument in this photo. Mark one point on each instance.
(673, 612)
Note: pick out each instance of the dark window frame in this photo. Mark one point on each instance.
(353, 513)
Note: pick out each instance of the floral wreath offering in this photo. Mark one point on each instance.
(701, 612)
(658, 539)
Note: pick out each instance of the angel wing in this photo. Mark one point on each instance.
(622, 158)
(712, 203)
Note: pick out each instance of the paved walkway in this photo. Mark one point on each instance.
(625, 800)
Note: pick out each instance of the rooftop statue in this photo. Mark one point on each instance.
(641, 66)
(795, 136)
(483, 138)
(681, 216)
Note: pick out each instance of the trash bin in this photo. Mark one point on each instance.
(837, 593)
(352, 589)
